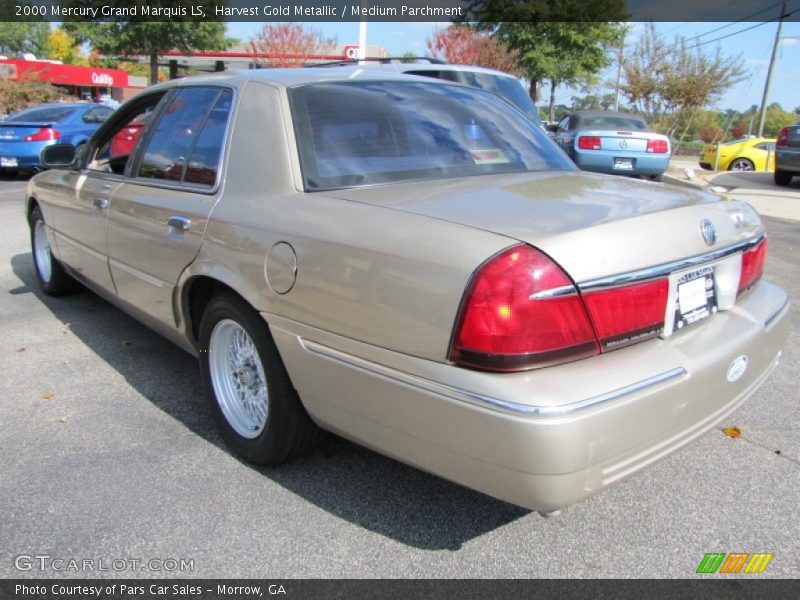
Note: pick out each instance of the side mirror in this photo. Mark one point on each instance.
(58, 156)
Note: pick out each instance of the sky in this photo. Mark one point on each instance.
(753, 48)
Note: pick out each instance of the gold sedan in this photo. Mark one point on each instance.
(414, 265)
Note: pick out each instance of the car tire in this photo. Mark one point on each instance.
(53, 279)
(782, 177)
(257, 408)
(741, 164)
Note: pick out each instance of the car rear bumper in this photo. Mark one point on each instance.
(788, 159)
(26, 154)
(547, 438)
(602, 161)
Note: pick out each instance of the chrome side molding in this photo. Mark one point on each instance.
(496, 404)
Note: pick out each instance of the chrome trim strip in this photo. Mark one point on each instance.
(773, 317)
(665, 269)
(512, 408)
(564, 290)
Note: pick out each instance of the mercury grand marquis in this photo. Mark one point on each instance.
(413, 265)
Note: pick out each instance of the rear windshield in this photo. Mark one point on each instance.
(362, 133)
(47, 113)
(611, 122)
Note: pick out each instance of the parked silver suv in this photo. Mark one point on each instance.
(506, 86)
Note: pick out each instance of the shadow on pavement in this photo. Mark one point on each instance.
(344, 479)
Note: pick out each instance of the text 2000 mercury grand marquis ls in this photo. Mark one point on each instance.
(415, 266)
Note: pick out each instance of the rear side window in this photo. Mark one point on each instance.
(48, 113)
(97, 115)
(446, 75)
(191, 117)
(204, 159)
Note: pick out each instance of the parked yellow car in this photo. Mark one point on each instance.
(753, 154)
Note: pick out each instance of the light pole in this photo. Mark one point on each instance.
(765, 97)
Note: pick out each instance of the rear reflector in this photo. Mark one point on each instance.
(657, 146)
(44, 134)
(521, 310)
(628, 314)
(753, 265)
(589, 142)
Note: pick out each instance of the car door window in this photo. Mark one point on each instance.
(175, 133)
(766, 146)
(562, 126)
(114, 150)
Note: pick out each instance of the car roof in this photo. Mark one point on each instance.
(299, 76)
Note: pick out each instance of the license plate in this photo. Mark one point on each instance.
(623, 164)
(8, 162)
(695, 298)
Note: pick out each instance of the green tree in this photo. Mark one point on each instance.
(151, 39)
(593, 102)
(560, 53)
(20, 38)
(776, 119)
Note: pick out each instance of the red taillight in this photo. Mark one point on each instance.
(783, 137)
(629, 313)
(657, 146)
(521, 310)
(44, 134)
(753, 265)
(589, 142)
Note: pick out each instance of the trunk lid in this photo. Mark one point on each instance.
(15, 132)
(625, 141)
(593, 225)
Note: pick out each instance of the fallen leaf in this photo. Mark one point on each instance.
(777, 451)
(20, 349)
(733, 432)
(47, 395)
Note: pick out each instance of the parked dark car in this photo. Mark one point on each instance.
(24, 134)
(613, 142)
(787, 155)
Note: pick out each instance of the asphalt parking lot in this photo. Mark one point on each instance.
(109, 453)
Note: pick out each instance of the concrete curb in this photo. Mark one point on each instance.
(683, 182)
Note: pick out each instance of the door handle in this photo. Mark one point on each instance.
(100, 203)
(180, 223)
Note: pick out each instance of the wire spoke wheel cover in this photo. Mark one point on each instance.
(238, 378)
(41, 251)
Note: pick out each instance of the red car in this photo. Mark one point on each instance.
(124, 142)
